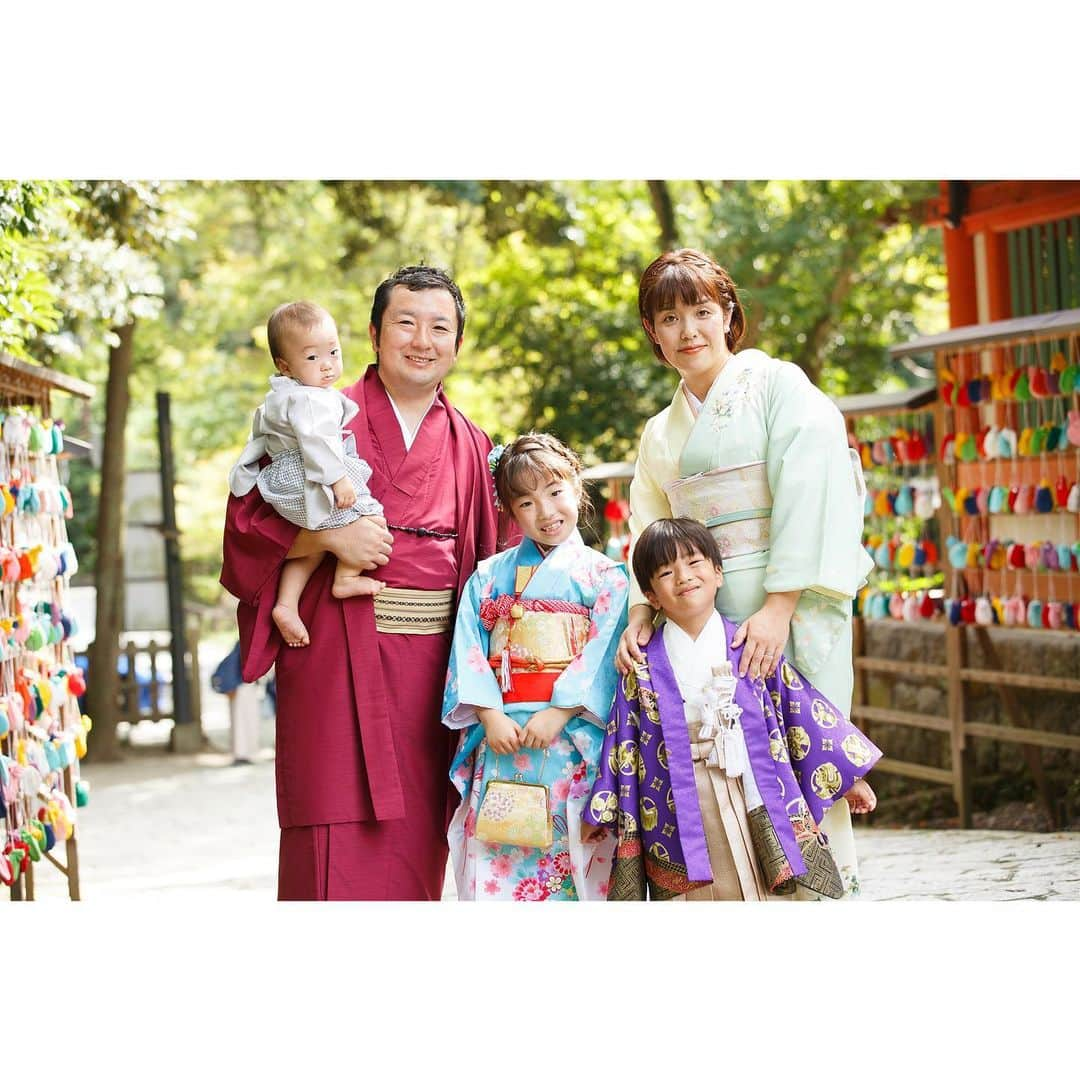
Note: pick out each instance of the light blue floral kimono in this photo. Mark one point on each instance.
(569, 869)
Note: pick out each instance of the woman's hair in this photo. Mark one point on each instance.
(529, 460)
(689, 276)
(665, 540)
(284, 317)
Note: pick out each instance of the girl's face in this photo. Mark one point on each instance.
(548, 512)
(691, 337)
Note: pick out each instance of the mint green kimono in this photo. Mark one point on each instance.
(762, 409)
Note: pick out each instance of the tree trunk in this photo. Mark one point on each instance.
(665, 214)
(809, 357)
(103, 684)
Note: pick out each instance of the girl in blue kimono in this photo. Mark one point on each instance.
(531, 681)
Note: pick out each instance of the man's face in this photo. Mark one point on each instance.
(417, 344)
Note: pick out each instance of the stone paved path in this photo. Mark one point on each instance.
(163, 825)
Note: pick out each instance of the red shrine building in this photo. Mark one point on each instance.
(1012, 247)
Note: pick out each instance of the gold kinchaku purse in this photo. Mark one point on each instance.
(515, 812)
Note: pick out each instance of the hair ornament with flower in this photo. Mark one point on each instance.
(493, 459)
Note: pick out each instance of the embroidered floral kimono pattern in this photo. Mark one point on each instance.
(802, 752)
(577, 575)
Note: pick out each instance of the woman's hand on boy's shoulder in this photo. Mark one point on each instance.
(638, 632)
(765, 634)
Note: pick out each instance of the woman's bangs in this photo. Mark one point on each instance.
(680, 282)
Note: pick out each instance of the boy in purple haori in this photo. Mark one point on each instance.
(715, 785)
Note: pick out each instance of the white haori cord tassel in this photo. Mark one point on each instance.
(720, 720)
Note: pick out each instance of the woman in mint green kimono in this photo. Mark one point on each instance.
(751, 448)
(531, 681)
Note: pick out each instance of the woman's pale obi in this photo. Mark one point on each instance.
(532, 643)
(735, 504)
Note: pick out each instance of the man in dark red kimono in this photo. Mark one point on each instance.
(362, 760)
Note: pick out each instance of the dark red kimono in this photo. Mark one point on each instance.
(362, 760)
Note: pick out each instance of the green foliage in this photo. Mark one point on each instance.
(561, 347)
(832, 272)
(28, 300)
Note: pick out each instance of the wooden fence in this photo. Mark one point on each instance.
(141, 700)
(956, 675)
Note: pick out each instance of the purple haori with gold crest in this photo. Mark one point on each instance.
(803, 753)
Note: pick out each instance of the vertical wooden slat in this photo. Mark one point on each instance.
(1061, 246)
(1014, 272)
(196, 677)
(152, 649)
(1074, 245)
(71, 846)
(1053, 294)
(1023, 243)
(1036, 270)
(131, 686)
(859, 695)
(955, 657)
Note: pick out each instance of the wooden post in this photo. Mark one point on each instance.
(71, 845)
(955, 659)
(859, 695)
(155, 687)
(196, 676)
(130, 687)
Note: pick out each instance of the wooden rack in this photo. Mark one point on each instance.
(29, 387)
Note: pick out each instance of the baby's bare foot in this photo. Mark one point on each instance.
(290, 624)
(356, 585)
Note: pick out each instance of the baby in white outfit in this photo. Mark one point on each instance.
(314, 478)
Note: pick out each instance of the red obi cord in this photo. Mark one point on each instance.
(508, 606)
(530, 686)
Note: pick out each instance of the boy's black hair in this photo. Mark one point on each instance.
(664, 540)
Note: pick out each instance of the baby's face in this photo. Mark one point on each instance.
(312, 355)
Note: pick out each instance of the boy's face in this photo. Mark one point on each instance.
(685, 589)
(312, 355)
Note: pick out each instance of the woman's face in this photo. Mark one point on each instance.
(691, 337)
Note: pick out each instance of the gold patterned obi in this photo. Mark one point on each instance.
(735, 504)
(532, 642)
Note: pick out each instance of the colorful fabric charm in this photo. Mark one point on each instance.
(1073, 430)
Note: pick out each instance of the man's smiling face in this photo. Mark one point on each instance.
(417, 343)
